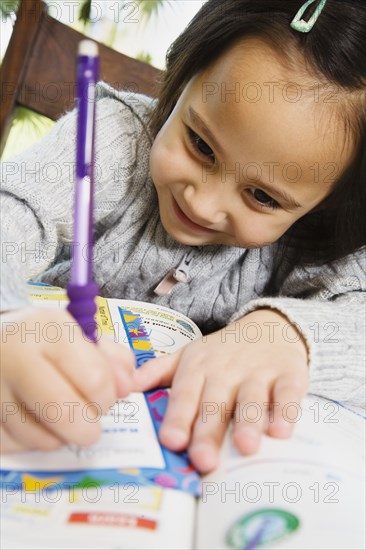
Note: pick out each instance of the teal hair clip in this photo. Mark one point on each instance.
(306, 26)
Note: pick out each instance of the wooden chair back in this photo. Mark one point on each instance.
(39, 67)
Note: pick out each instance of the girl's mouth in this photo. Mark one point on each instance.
(187, 222)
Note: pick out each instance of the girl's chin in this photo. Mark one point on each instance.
(184, 238)
(187, 240)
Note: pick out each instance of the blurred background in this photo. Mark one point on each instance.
(143, 29)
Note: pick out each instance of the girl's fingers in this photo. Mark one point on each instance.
(19, 425)
(65, 348)
(87, 369)
(156, 372)
(51, 400)
(31, 433)
(215, 411)
(8, 444)
(122, 362)
(287, 394)
(183, 403)
(251, 416)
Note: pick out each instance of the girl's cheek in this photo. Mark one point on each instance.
(161, 170)
(158, 162)
(257, 230)
(168, 163)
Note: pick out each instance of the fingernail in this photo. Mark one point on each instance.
(173, 437)
(247, 432)
(247, 439)
(281, 428)
(204, 456)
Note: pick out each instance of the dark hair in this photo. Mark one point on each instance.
(334, 50)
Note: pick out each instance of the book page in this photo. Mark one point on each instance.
(128, 440)
(127, 517)
(168, 330)
(304, 492)
(137, 446)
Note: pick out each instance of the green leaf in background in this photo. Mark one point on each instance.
(145, 57)
(84, 13)
(27, 128)
(151, 7)
(7, 7)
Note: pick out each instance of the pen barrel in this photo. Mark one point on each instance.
(83, 308)
(87, 77)
(82, 252)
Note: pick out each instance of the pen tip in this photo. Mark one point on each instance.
(88, 48)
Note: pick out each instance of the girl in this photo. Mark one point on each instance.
(237, 198)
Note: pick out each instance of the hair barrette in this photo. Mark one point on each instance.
(305, 26)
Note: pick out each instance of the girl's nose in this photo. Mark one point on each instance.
(206, 206)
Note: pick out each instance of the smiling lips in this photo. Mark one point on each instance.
(187, 222)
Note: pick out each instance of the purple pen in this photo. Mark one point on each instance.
(82, 290)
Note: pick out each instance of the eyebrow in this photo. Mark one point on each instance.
(198, 121)
(195, 118)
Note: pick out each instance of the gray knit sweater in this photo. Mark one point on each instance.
(133, 252)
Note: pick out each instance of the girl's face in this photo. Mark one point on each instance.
(246, 152)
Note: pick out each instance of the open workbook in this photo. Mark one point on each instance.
(126, 492)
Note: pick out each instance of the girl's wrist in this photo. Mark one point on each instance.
(272, 326)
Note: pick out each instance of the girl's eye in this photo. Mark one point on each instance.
(200, 146)
(263, 199)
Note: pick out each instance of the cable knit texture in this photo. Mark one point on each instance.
(133, 252)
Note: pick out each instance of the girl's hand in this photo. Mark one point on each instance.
(251, 371)
(54, 382)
